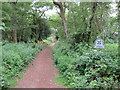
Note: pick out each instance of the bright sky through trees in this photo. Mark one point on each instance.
(54, 11)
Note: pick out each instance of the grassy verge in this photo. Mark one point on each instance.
(60, 80)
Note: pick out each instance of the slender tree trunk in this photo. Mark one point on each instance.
(64, 23)
(14, 19)
(62, 15)
(91, 36)
(15, 36)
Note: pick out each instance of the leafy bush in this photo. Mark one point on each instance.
(49, 40)
(86, 67)
(15, 57)
(4, 42)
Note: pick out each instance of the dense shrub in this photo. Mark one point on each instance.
(15, 57)
(86, 67)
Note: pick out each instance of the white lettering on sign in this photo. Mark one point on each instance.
(99, 43)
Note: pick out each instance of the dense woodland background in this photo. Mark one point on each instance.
(26, 29)
(82, 21)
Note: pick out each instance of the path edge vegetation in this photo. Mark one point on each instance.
(15, 60)
(86, 67)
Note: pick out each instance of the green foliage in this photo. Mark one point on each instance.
(86, 67)
(49, 40)
(16, 56)
(93, 21)
(56, 25)
(82, 65)
(60, 80)
(26, 20)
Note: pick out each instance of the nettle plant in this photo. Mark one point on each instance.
(16, 56)
(86, 67)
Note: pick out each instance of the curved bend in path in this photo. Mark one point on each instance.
(41, 72)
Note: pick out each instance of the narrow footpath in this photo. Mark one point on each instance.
(41, 72)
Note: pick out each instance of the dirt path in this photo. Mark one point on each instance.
(41, 72)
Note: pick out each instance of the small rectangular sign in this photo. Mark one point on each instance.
(99, 43)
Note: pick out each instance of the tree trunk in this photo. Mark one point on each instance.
(64, 23)
(15, 36)
(62, 15)
(14, 19)
(91, 36)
